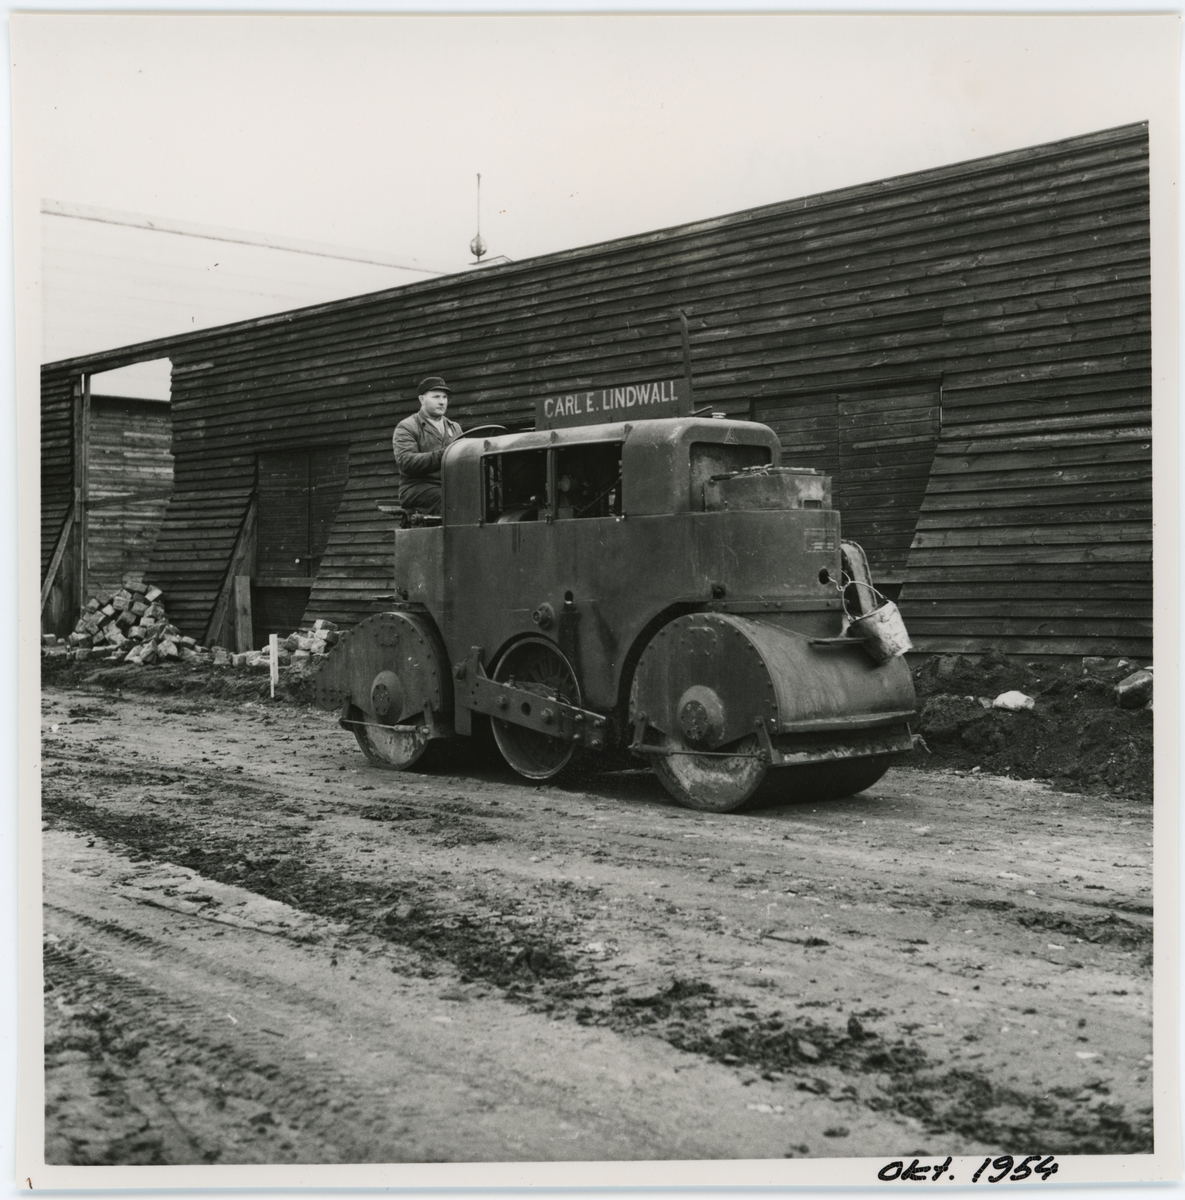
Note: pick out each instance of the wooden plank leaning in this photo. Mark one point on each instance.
(240, 561)
(244, 630)
(59, 552)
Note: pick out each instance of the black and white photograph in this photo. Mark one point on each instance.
(596, 610)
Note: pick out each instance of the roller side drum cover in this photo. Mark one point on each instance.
(712, 689)
(389, 666)
(709, 678)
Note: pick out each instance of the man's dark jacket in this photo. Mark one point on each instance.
(418, 447)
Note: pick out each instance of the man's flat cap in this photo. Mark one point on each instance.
(432, 384)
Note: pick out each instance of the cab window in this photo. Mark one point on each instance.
(515, 486)
(584, 480)
(588, 480)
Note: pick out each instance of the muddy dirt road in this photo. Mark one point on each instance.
(259, 948)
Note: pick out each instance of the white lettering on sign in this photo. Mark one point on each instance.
(820, 537)
(568, 406)
(633, 401)
(638, 394)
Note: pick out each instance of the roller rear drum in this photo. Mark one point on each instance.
(535, 665)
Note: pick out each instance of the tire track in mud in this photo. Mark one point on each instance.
(404, 912)
(896, 1075)
(537, 969)
(449, 823)
(457, 822)
(168, 1087)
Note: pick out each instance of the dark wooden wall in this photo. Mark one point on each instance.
(58, 416)
(966, 348)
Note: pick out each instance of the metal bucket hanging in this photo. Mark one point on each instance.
(882, 630)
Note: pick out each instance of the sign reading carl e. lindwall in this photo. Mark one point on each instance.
(628, 402)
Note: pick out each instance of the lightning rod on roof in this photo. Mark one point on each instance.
(477, 246)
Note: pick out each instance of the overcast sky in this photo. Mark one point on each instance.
(369, 131)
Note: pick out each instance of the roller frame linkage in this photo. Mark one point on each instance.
(546, 715)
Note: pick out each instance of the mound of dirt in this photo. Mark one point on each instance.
(1074, 735)
(199, 678)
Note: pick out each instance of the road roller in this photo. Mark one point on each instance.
(665, 589)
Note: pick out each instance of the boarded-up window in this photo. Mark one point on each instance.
(877, 445)
(299, 491)
(886, 448)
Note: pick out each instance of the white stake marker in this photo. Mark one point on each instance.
(273, 647)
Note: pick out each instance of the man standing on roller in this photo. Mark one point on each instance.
(419, 442)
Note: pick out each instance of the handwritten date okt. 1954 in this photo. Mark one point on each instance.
(1005, 1167)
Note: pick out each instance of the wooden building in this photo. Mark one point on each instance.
(966, 350)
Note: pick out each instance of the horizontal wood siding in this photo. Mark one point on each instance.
(57, 458)
(57, 491)
(128, 456)
(1036, 528)
(1017, 285)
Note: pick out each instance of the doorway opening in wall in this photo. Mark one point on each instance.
(299, 492)
(877, 443)
(100, 524)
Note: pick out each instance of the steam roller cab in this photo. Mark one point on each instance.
(664, 587)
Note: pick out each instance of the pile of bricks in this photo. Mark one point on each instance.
(130, 626)
(309, 644)
(305, 647)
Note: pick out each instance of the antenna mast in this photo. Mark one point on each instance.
(477, 246)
